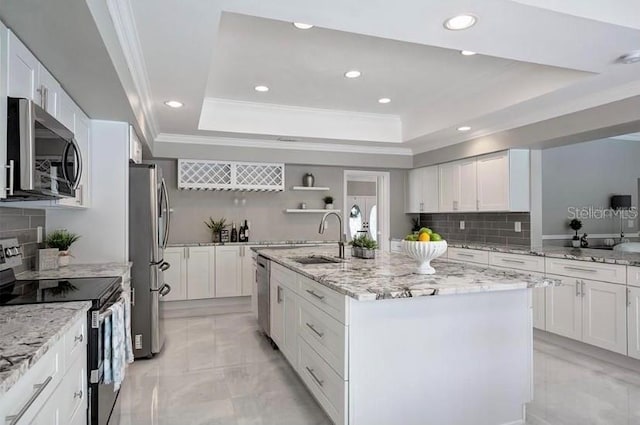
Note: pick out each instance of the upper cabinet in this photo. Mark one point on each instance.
(494, 182)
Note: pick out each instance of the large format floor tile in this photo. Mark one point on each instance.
(221, 370)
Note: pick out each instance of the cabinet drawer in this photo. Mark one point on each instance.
(468, 255)
(72, 393)
(324, 383)
(284, 276)
(325, 334)
(74, 341)
(585, 269)
(34, 387)
(633, 275)
(516, 261)
(327, 300)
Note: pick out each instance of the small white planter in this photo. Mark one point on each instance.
(423, 253)
(575, 244)
(63, 258)
(328, 206)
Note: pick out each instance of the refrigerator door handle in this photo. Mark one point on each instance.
(164, 266)
(164, 291)
(167, 218)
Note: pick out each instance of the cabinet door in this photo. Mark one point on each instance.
(449, 187)
(67, 112)
(289, 346)
(23, 70)
(248, 272)
(228, 271)
(414, 191)
(48, 91)
(200, 274)
(276, 306)
(82, 132)
(633, 315)
(50, 413)
(564, 308)
(468, 185)
(539, 319)
(604, 312)
(176, 275)
(429, 189)
(493, 182)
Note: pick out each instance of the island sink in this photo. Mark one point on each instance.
(313, 259)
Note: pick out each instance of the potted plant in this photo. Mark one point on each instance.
(216, 227)
(62, 239)
(415, 228)
(575, 225)
(328, 202)
(363, 247)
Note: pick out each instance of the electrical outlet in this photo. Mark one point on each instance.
(517, 226)
(461, 224)
(630, 223)
(138, 343)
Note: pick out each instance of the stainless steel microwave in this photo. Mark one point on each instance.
(43, 158)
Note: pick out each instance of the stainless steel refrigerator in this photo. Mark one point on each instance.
(149, 226)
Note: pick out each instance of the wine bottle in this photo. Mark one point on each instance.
(246, 231)
(241, 233)
(234, 233)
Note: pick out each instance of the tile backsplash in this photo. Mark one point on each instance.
(481, 227)
(22, 224)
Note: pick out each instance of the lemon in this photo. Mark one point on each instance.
(424, 237)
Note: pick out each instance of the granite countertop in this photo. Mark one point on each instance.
(391, 275)
(568, 253)
(27, 332)
(251, 243)
(79, 270)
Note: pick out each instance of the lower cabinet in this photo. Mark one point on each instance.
(564, 308)
(633, 321)
(200, 272)
(539, 308)
(284, 329)
(228, 271)
(176, 275)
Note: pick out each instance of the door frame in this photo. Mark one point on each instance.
(383, 189)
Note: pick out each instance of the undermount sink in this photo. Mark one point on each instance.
(628, 247)
(315, 259)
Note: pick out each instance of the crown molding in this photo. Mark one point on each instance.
(125, 27)
(276, 144)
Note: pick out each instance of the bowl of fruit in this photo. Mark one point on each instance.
(424, 247)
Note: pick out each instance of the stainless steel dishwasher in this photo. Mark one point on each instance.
(264, 310)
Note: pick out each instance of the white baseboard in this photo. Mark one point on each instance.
(589, 350)
(206, 307)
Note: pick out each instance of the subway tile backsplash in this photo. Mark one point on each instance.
(22, 224)
(497, 228)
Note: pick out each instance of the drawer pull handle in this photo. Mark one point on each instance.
(79, 338)
(313, 328)
(318, 296)
(39, 388)
(78, 394)
(510, 260)
(463, 254)
(313, 375)
(581, 269)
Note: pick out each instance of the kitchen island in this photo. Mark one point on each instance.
(377, 344)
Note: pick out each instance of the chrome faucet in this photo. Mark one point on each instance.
(343, 237)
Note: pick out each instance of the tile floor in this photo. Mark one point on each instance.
(220, 370)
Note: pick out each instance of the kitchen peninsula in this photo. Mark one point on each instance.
(377, 344)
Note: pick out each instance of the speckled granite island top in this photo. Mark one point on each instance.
(391, 275)
(79, 270)
(28, 331)
(252, 243)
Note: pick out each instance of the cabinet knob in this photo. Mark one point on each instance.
(78, 394)
(79, 338)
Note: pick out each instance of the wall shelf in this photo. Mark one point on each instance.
(308, 211)
(311, 188)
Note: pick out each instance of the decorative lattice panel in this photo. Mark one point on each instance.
(218, 175)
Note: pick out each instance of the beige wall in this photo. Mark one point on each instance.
(265, 211)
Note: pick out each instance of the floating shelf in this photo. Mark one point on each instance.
(308, 211)
(312, 188)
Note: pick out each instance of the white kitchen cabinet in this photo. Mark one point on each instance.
(604, 315)
(67, 112)
(200, 272)
(283, 315)
(468, 185)
(422, 191)
(22, 69)
(564, 308)
(80, 125)
(449, 187)
(633, 322)
(290, 338)
(228, 271)
(47, 91)
(276, 310)
(135, 146)
(539, 308)
(176, 275)
(248, 266)
(503, 181)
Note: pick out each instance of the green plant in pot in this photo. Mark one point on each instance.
(62, 239)
(415, 227)
(363, 246)
(575, 225)
(328, 202)
(216, 227)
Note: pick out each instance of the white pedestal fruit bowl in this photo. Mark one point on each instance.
(423, 253)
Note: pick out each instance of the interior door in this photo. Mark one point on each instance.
(564, 308)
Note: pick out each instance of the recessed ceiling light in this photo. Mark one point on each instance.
(261, 88)
(460, 22)
(384, 100)
(354, 73)
(467, 53)
(173, 104)
(629, 58)
(464, 128)
(302, 26)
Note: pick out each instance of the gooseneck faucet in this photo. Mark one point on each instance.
(343, 237)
